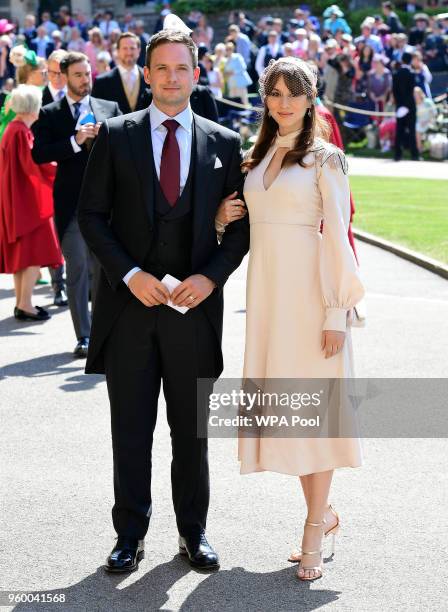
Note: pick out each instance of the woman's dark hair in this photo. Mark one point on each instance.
(369, 49)
(313, 124)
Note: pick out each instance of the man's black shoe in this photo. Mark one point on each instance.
(125, 555)
(200, 554)
(81, 348)
(60, 298)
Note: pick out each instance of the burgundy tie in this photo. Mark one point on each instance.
(170, 163)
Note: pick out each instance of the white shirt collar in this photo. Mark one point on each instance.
(54, 91)
(124, 70)
(157, 117)
(84, 101)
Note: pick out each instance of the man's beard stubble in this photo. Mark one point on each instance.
(81, 92)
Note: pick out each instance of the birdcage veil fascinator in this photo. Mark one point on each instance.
(175, 23)
(300, 77)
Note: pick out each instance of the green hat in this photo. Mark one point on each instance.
(31, 58)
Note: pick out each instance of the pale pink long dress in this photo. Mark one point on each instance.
(299, 283)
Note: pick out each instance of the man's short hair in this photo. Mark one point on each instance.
(128, 35)
(57, 56)
(72, 57)
(388, 5)
(169, 36)
(406, 58)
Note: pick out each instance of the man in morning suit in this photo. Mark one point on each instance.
(54, 91)
(61, 136)
(147, 207)
(403, 83)
(125, 83)
(57, 85)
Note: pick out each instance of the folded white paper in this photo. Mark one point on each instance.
(171, 283)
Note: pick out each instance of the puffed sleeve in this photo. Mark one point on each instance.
(340, 281)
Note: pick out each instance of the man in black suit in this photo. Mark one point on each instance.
(57, 84)
(403, 83)
(64, 133)
(418, 33)
(125, 83)
(203, 103)
(53, 92)
(147, 208)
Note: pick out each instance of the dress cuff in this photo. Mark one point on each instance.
(336, 319)
(127, 277)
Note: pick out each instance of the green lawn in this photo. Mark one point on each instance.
(411, 212)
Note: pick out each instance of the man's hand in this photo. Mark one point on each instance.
(332, 342)
(192, 291)
(89, 130)
(98, 124)
(230, 209)
(148, 289)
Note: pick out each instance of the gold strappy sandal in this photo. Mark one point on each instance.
(315, 568)
(295, 556)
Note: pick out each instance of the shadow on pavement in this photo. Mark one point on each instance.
(6, 293)
(12, 327)
(224, 591)
(54, 365)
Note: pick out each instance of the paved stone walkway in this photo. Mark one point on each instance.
(56, 474)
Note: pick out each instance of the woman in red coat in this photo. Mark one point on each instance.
(27, 235)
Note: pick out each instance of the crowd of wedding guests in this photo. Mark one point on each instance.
(62, 75)
(357, 69)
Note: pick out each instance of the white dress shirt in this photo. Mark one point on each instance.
(85, 106)
(55, 92)
(184, 134)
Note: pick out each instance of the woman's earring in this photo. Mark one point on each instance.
(308, 112)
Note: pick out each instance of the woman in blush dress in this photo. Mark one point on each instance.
(93, 47)
(301, 285)
(27, 235)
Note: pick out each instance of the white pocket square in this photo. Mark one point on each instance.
(218, 163)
